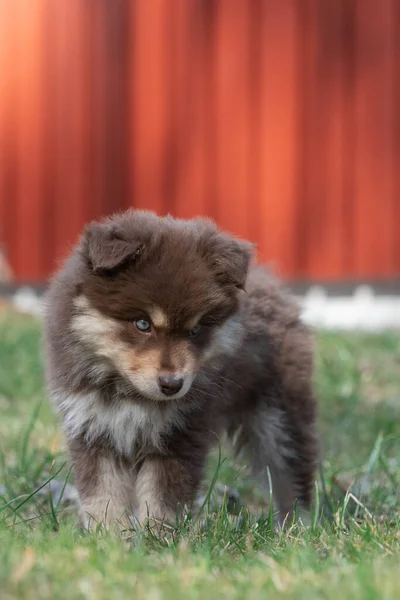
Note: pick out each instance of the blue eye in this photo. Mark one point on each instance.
(143, 325)
(195, 331)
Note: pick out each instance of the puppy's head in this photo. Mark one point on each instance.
(157, 297)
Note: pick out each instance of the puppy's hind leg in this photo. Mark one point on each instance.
(290, 456)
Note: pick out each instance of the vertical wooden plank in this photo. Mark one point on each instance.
(191, 183)
(4, 90)
(99, 77)
(279, 100)
(232, 119)
(324, 139)
(49, 143)
(8, 158)
(106, 28)
(396, 139)
(71, 123)
(374, 130)
(182, 128)
(149, 77)
(115, 91)
(195, 194)
(325, 259)
(95, 21)
(29, 105)
(349, 28)
(177, 106)
(308, 114)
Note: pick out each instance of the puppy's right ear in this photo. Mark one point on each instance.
(105, 250)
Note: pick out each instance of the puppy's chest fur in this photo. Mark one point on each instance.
(125, 424)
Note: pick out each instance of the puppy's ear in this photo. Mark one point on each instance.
(105, 250)
(232, 260)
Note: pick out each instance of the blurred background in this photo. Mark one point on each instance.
(278, 118)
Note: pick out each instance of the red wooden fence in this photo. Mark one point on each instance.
(279, 118)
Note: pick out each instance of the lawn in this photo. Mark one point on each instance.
(352, 547)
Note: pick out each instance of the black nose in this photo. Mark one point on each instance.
(169, 384)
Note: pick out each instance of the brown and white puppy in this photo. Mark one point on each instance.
(159, 339)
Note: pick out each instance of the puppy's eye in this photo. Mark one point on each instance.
(195, 331)
(143, 325)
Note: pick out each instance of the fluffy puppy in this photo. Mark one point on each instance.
(159, 339)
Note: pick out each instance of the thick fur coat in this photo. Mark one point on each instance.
(160, 338)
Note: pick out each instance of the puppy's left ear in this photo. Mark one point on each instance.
(232, 260)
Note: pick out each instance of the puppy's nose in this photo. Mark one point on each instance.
(169, 384)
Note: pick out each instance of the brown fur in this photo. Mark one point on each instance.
(248, 372)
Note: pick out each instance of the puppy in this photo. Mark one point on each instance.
(159, 339)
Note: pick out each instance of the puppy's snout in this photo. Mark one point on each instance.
(170, 384)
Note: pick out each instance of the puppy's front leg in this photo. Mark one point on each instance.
(165, 487)
(105, 486)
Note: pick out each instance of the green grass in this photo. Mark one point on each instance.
(351, 549)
